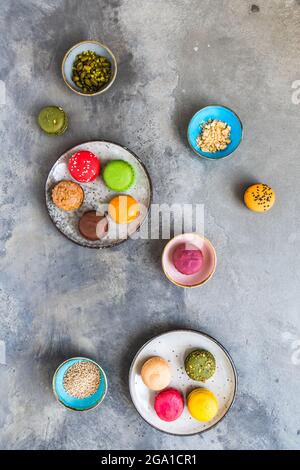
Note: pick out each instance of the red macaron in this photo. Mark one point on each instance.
(84, 166)
(169, 404)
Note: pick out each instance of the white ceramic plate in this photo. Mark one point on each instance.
(97, 194)
(174, 346)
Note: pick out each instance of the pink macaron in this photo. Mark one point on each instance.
(188, 259)
(169, 404)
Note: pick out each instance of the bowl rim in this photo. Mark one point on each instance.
(235, 373)
(216, 106)
(79, 358)
(109, 84)
(200, 283)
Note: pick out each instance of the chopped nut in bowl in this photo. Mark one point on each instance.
(214, 136)
(215, 132)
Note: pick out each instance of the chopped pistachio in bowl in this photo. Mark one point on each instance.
(89, 68)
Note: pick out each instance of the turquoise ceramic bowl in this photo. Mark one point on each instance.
(70, 57)
(220, 113)
(78, 404)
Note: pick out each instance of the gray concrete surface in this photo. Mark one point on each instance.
(60, 300)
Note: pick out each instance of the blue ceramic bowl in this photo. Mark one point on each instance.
(220, 113)
(73, 403)
(70, 57)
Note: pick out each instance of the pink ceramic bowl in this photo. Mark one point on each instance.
(209, 261)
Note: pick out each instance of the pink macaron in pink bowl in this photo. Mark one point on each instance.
(189, 260)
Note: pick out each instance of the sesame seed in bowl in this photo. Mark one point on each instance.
(79, 384)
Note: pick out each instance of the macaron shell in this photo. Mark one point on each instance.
(202, 404)
(93, 226)
(118, 175)
(187, 259)
(169, 404)
(200, 365)
(259, 197)
(67, 195)
(156, 373)
(123, 209)
(53, 120)
(84, 166)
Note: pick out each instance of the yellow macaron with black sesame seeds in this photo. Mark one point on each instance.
(259, 197)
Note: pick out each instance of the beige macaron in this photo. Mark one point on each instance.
(156, 373)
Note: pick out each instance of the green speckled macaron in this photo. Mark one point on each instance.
(118, 175)
(53, 120)
(200, 365)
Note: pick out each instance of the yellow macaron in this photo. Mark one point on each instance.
(259, 197)
(123, 209)
(202, 404)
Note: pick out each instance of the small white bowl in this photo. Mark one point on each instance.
(69, 59)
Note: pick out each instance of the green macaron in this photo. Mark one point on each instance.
(118, 175)
(200, 365)
(53, 120)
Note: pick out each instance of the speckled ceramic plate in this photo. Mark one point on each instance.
(97, 195)
(174, 346)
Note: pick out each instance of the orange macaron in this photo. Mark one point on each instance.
(123, 209)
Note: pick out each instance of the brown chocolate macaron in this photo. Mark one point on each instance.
(67, 195)
(93, 226)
